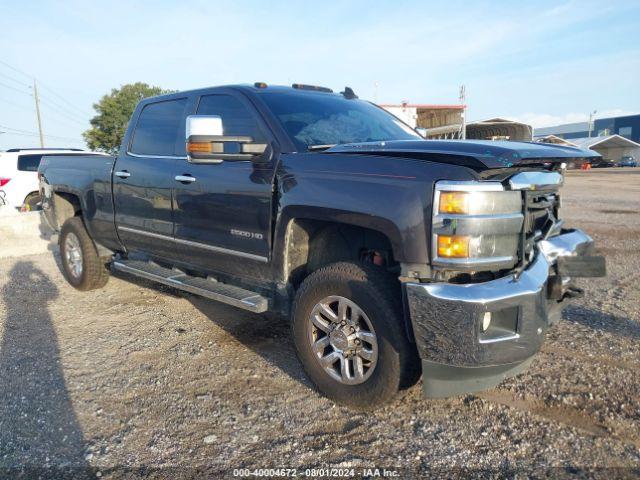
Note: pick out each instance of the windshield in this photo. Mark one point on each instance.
(327, 120)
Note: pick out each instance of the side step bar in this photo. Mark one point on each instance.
(221, 292)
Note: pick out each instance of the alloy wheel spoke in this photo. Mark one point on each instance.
(325, 309)
(329, 360)
(367, 337)
(366, 354)
(320, 345)
(344, 368)
(355, 314)
(342, 310)
(358, 367)
(320, 322)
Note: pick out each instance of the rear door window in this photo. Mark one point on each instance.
(156, 132)
(29, 163)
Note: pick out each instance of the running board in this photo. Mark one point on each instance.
(221, 292)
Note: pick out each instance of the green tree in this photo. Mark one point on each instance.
(113, 113)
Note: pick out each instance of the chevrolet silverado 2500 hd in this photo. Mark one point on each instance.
(392, 255)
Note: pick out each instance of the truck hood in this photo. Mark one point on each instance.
(479, 154)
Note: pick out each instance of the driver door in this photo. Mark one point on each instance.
(222, 213)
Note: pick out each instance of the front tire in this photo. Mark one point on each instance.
(348, 330)
(81, 265)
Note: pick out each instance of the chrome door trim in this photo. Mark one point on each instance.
(155, 156)
(251, 256)
(145, 233)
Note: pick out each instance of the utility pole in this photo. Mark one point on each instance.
(591, 121)
(463, 99)
(35, 95)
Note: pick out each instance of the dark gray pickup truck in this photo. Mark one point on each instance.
(393, 256)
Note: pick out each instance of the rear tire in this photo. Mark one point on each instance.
(32, 202)
(387, 357)
(81, 265)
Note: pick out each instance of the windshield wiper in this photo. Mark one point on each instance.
(312, 148)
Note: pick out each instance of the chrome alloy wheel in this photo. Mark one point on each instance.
(343, 340)
(73, 254)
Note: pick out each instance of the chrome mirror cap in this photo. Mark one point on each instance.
(203, 125)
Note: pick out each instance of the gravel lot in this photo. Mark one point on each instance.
(138, 380)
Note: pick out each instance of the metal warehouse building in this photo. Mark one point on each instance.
(627, 126)
(612, 137)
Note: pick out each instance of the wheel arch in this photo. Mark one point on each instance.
(308, 241)
(65, 205)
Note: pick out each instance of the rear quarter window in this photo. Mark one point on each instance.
(29, 163)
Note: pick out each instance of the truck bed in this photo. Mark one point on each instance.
(88, 178)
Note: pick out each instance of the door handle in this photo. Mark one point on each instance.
(122, 174)
(185, 178)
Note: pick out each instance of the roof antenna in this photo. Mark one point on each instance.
(349, 93)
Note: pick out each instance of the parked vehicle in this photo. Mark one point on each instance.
(603, 163)
(392, 255)
(19, 174)
(627, 161)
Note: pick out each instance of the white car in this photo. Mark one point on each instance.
(19, 174)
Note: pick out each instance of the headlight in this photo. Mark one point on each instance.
(476, 224)
(479, 203)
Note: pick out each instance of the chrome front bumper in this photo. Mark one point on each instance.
(458, 355)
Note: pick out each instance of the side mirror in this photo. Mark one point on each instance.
(206, 142)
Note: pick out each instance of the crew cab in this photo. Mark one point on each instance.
(393, 256)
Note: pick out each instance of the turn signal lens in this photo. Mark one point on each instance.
(454, 202)
(199, 147)
(453, 246)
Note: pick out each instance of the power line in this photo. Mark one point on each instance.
(14, 80)
(63, 99)
(62, 113)
(63, 109)
(45, 86)
(16, 104)
(14, 88)
(52, 137)
(16, 70)
(18, 131)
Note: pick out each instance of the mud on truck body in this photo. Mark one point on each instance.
(393, 256)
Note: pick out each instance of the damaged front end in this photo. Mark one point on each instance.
(502, 265)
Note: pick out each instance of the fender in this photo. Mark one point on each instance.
(307, 212)
(392, 196)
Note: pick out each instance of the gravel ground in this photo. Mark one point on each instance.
(138, 380)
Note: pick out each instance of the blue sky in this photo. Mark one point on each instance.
(541, 62)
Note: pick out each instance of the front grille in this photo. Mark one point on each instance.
(541, 213)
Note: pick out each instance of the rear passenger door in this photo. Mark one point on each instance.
(144, 174)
